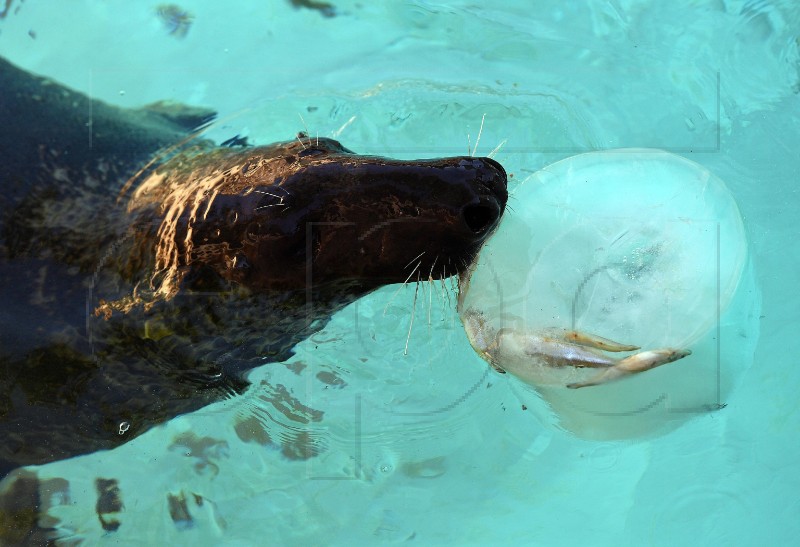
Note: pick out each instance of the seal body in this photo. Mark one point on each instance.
(135, 289)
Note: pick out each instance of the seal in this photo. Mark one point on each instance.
(139, 282)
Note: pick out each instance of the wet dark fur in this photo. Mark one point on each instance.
(101, 336)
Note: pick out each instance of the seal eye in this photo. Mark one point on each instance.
(311, 151)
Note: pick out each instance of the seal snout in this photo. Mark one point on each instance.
(491, 179)
(494, 172)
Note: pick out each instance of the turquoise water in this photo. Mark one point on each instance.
(424, 444)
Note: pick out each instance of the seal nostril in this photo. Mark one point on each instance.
(479, 217)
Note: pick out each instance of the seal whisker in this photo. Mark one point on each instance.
(439, 297)
(413, 312)
(443, 299)
(338, 132)
(280, 203)
(411, 262)
(301, 140)
(508, 205)
(268, 194)
(430, 289)
(281, 188)
(430, 300)
(497, 148)
(444, 287)
(430, 274)
(520, 185)
(478, 139)
(443, 284)
(401, 286)
(271, 205)
(305, 127)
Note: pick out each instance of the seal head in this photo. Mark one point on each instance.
(312, 215)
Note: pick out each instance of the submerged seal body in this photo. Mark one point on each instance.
(127, 304)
